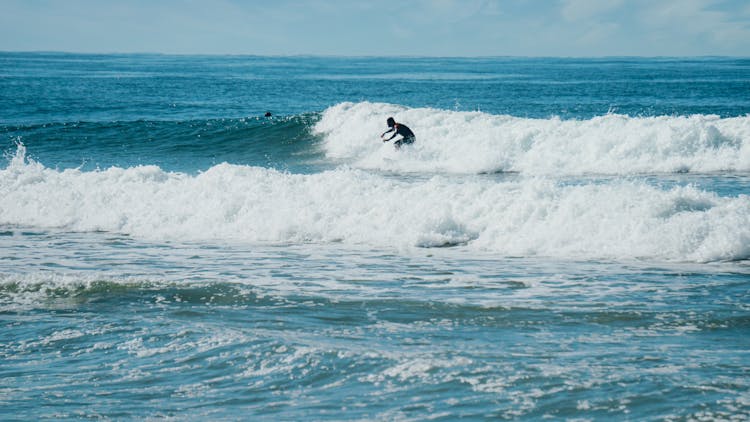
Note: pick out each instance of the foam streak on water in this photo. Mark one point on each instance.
(309, 331)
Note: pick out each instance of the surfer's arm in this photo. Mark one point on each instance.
(395, 132)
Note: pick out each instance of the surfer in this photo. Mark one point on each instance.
(407, 136)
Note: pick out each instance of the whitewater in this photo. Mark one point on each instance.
(551, 247)
(476, 142)
(441, 198)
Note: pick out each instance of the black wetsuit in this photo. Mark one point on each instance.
(408, 136)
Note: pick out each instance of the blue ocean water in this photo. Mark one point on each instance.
(567, 239)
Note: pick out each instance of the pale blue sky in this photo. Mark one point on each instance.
(381, 28)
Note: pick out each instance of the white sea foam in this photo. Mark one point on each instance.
(476, 142)
(526, 217)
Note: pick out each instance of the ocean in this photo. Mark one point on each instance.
(566, 239)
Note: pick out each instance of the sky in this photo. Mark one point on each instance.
(579, 28)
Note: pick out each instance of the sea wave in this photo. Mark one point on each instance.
(181, 145)
(524, 217)
(476, 142)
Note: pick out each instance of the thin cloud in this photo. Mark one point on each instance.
(577, 10)
(390, 27)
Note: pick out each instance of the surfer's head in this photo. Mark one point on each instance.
(391, 122)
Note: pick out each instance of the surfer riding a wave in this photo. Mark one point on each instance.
(407, 136)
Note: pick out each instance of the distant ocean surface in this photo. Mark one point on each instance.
(567, 238)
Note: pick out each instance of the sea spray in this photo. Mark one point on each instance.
(476, 142)
(526, 216)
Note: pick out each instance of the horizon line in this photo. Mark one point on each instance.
(343, 56)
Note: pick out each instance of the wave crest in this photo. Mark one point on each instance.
(528, 216)
(476, 142)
